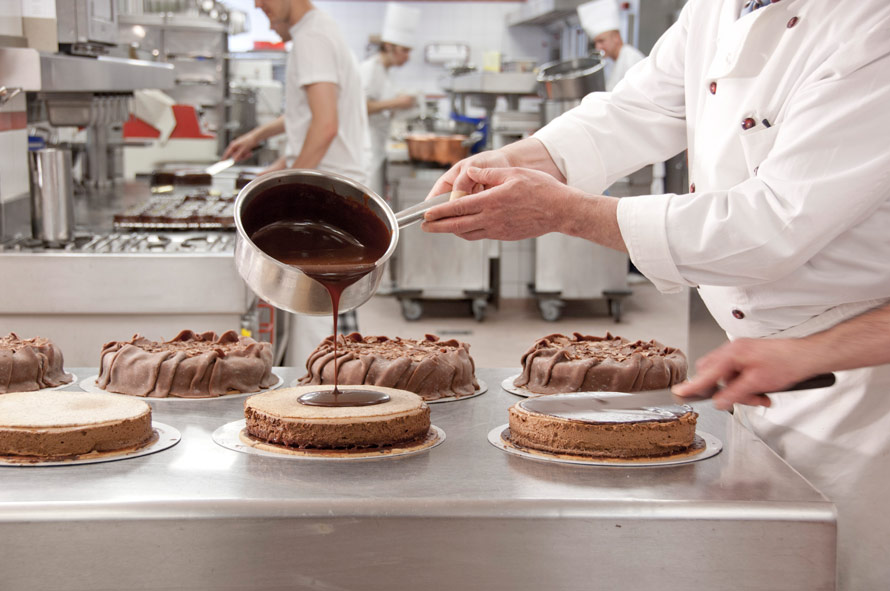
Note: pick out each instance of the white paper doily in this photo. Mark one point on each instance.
(89, 385)
(711, 444)
(165, 437)
(233, 436)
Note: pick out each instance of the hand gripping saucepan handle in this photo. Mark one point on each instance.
(414, 214)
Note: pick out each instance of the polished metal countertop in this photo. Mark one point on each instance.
(463, 515)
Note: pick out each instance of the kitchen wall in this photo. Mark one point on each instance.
(481, 25)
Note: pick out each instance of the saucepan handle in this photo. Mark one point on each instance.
(414, 214)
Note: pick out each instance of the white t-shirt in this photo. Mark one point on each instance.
(377, 87)
(320, 54)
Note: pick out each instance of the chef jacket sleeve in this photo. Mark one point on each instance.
(643, 121)
(317, 57)
(824, 178)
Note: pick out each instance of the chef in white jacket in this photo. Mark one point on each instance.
(784, 112)
(600, 20)
(397, 39)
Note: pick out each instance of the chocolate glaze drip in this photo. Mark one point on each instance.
(332, 239)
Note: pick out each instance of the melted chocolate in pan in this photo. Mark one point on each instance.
(331, 239)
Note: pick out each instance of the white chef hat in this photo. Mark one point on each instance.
(599, 16)
(400, 24)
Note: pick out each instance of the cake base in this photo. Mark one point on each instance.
(705, 446)
(234, 436)
(164, 437)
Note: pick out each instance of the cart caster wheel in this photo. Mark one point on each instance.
(479, 307)
(412, 309)
(615, 309)
(551, 310)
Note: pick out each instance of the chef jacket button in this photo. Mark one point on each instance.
(756, 168)
(692, 188)
(713, 88)
(748, 123)
(738, 314)
(792, 22)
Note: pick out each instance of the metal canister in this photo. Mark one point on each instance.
(52, 195)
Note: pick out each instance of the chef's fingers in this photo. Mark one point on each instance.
(455, 208)
(444, 183)
(488, 177)
(747, 389)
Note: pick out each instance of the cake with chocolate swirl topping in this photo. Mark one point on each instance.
(191, 365)
(30, 364)
(584, 363)
(431, 368)
(570, 424)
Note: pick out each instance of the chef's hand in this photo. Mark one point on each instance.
(504, 204)
(404, 101)
(241, 147)
(748, 367)
(456, 179)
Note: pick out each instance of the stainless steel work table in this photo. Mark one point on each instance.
(463, 515)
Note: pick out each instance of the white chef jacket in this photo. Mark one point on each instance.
(377, 87)
(628, 55)
(785, 113)
(320, 54)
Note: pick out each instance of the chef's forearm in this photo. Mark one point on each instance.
(862, 341)
(531, 153)
(594, 218)
(318, 139)
(270, 129)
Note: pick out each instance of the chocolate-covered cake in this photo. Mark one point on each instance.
(56, 425)
(431, 368)
(189, 366)
(583, 363)
(30, 364)
(567, 424)
(280, 418)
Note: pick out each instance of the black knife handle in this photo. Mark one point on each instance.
(823, 380)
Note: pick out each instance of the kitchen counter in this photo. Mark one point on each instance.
(463, 515)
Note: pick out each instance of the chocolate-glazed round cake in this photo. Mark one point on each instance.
(189, 366)
(583, 363)
(567, 424)
(431, 368)
(280, 418)
(30, 364)
(54, 424)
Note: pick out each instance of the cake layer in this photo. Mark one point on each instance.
(30, 364)
(60, 424)
(583, 363)
(430, 368)
(189, 366)
(542, 423)
(279, 417)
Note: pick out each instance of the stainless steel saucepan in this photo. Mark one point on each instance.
(287, 287)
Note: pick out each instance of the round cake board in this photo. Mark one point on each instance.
(89, 385)
(165, 437)
(507, 385)
(705, 446)
(234, 436)
(482, 389)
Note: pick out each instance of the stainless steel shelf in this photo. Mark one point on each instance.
(53, 72)
(543, 12)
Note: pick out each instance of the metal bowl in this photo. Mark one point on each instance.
(285, 286)
(572, 79)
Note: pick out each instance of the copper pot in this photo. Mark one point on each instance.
(442, 149)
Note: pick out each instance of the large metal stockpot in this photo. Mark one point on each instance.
(287, 287)
(572, 79)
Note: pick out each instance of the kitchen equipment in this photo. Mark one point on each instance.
(52, 196)
(219, 166)
(572, 79)
(441, 149)
(609, 400)
(286, 286)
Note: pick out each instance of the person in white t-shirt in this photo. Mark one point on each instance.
(325, 120)
(600, 21)
(397, 39)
